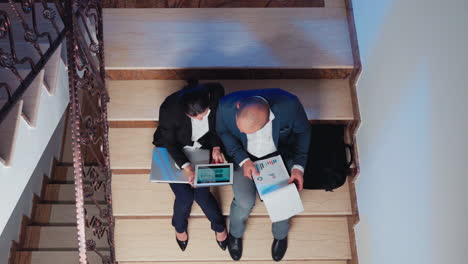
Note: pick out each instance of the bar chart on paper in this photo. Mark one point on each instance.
(281, 199)
(267, 163)
(272, 175)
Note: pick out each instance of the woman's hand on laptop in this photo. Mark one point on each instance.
(190, 173)
(217, 156)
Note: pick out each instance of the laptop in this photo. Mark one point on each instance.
(165, 170)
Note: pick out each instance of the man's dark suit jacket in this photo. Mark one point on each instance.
(175, 128)
(291, 128)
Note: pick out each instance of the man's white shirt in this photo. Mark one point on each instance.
(261, 143)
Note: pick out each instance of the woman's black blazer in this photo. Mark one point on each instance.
(175, 128)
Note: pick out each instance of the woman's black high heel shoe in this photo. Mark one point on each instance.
(182, 244)
(221, 244)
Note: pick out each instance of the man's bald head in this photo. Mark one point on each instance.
(252, 114)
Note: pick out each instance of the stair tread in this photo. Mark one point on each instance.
(60, 213)
(287, 38)
(310, 238)
(156, 199)
(66, 193)
(47, 257)
(241, 261)
(57, 237)
(140, 99)
(130, 148)
(335, 3)
(64, 172)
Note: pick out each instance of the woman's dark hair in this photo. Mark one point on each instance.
(194, 99)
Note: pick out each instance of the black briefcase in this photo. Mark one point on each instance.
(327, 164)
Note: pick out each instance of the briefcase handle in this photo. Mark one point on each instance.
(350, 148)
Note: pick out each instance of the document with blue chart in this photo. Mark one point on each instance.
(281, 199)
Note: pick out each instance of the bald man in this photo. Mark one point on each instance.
(256, 124)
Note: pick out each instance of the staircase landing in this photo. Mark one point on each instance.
(236, 43)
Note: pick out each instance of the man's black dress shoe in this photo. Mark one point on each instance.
(182, 244)
(235, 247)
(222, 244)
(278, 248)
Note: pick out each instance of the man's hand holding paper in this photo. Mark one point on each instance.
(281, 199)
(297, 176)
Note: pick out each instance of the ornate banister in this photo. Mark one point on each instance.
(88, 117)
(9, 57)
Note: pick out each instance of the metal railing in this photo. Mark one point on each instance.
(23, 18)
(88, 119)
(81, 22)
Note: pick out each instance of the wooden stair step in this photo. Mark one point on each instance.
(335, 3)
(219, 4)
(57, 237)
(136, 100)
(67, 154)
(240, 262)
(310, 238)
(48, 257)
(8, 132)
(66, 193)
(157, 199)
(64, 173)
(60, 213)
(131, 148)
(245, 39)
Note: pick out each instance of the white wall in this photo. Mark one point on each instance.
(413, 142)
(30, 145)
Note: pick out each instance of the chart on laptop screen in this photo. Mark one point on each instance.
(209, 174)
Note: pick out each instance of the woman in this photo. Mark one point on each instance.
(187, 120)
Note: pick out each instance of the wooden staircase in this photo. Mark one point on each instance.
(149, 54)
(49, 234)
